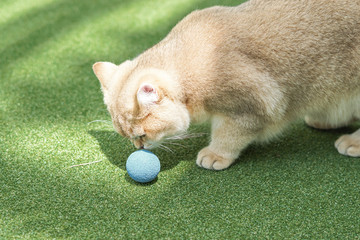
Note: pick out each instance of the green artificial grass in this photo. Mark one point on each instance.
(296, 187)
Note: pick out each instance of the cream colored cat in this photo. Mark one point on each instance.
(250, 70)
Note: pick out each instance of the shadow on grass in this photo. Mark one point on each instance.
(54, 19)
(300, 143)
(117, 148)
(296, 143)
(62, 93)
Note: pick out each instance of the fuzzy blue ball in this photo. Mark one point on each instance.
(143, 166)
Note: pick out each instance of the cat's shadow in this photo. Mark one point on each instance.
(117, 149)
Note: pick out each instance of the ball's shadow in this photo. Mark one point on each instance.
(132, 181)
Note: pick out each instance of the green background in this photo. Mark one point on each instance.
(296, 187)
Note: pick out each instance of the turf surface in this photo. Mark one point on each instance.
(294, 187)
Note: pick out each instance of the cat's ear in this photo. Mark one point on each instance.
(147, 94)
(104, 72)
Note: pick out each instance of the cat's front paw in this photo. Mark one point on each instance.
(209, 160)
(349, 144)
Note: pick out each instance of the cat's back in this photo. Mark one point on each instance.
(266, 27)
(285, 37)
(277, 20)
(310, 48)
(255, 11)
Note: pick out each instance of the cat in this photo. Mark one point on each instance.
(250, 70)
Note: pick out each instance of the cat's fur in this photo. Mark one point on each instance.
(250, 70)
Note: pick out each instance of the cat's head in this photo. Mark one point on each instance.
(146, 105)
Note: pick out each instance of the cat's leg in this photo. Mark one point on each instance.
(228, 137)
(349, 144)
(319, 121)
(343, 114)
(331, 119)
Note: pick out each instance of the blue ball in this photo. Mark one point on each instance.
(143, 166)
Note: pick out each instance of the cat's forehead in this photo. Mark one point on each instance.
(129, 113)
(121, 103)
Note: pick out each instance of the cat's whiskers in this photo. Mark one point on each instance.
(176, 144)
(166, 148)
(182, 136)
(185, 136)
